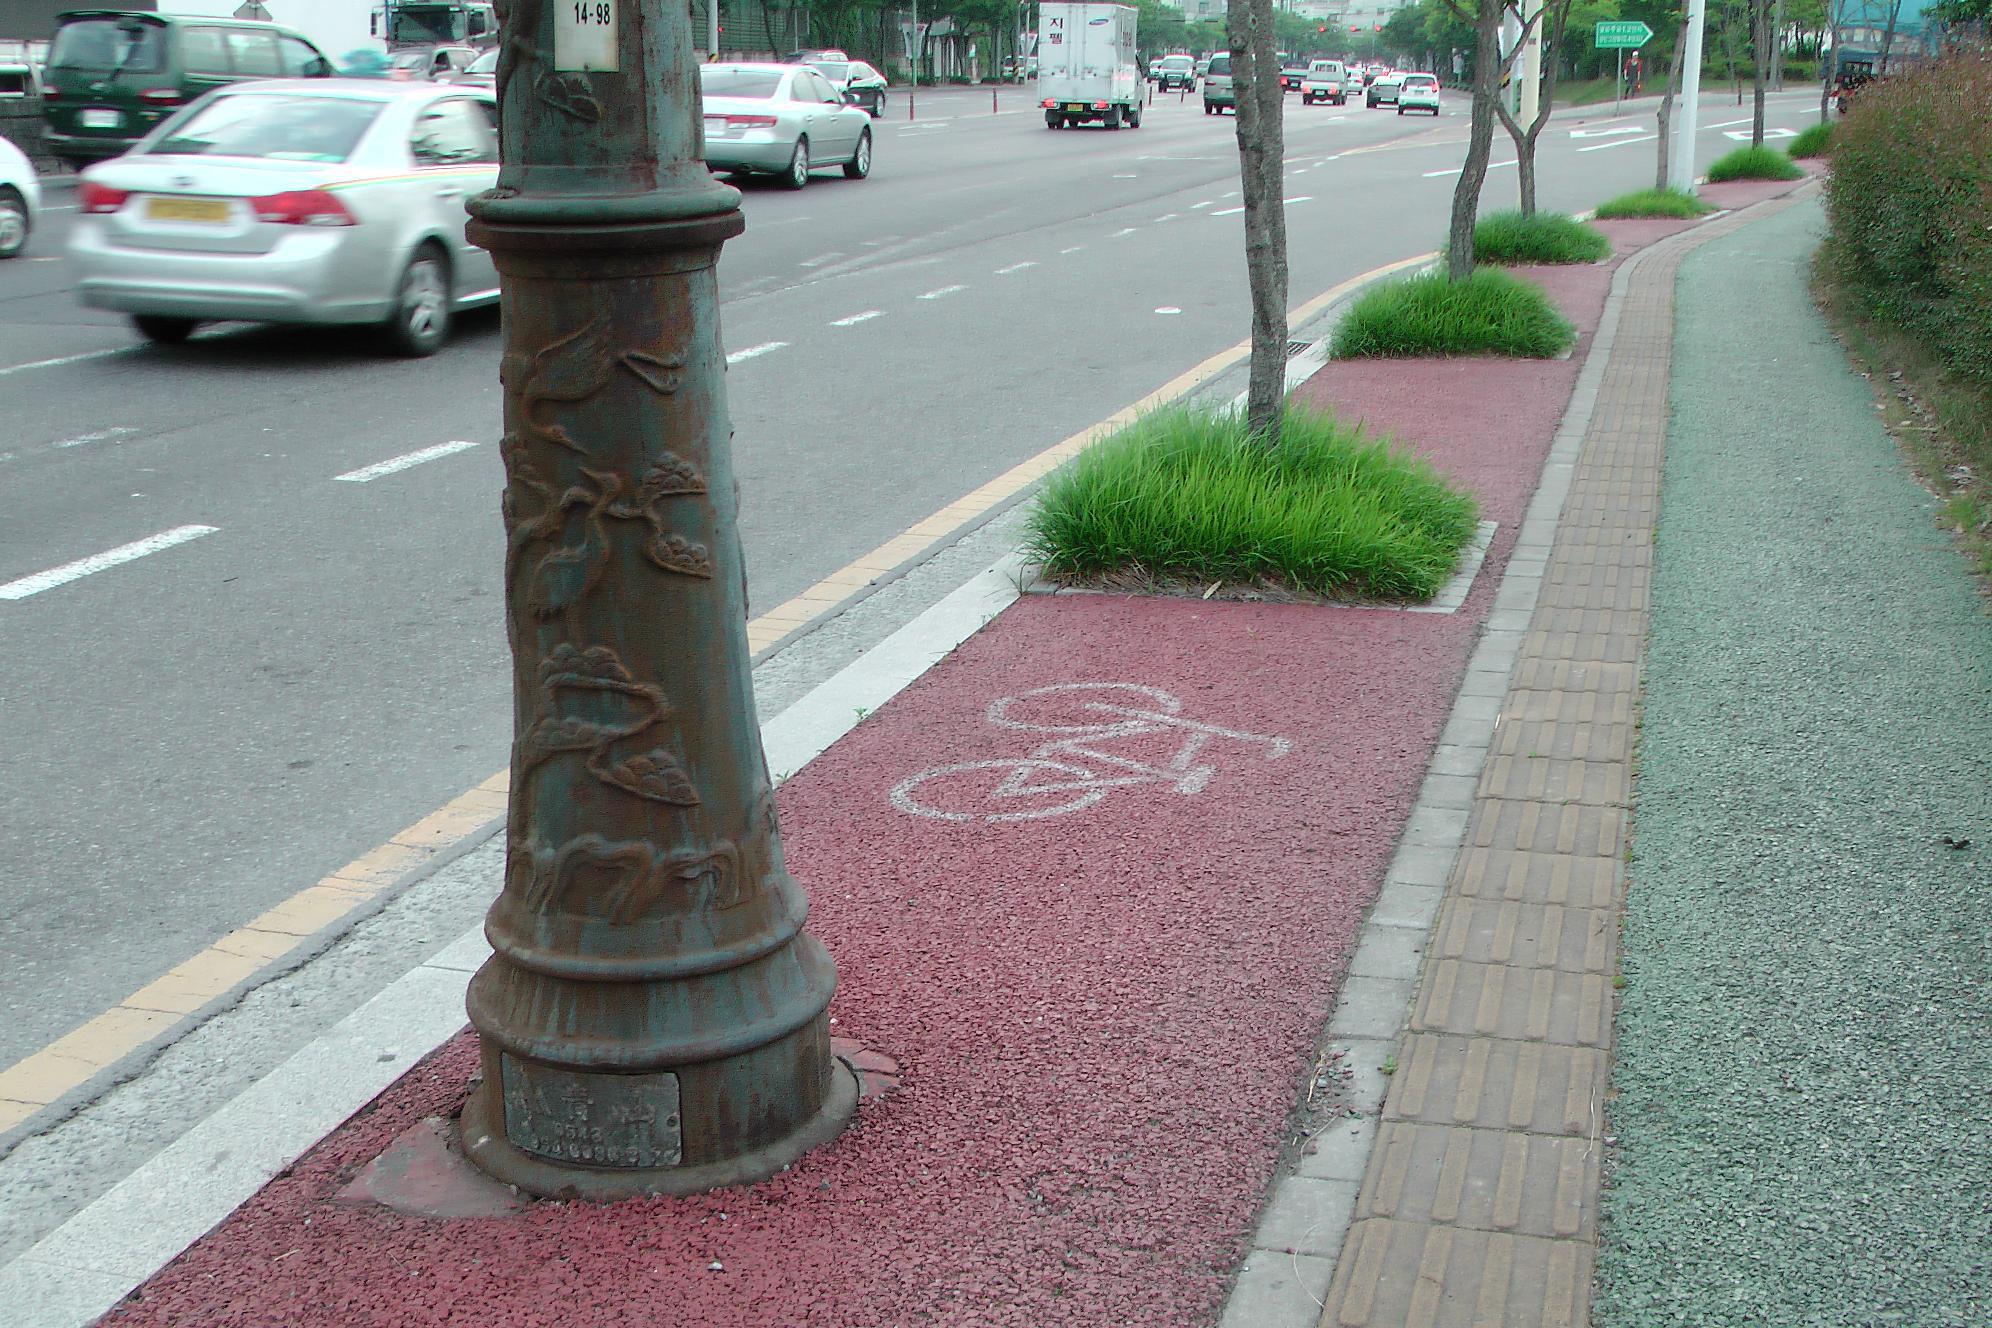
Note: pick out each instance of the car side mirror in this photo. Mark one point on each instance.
(319, 68)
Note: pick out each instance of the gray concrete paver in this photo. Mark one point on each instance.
(1480, 1203)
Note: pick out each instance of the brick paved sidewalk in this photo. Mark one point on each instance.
(1479, 1204)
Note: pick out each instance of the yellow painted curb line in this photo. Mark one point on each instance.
(72, 1060)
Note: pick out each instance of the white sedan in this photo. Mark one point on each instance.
(783, 120)
(296, 201)
(20, 199)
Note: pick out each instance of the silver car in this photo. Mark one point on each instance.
(784, 120)
(296, 201)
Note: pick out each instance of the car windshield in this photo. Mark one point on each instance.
(484, 64)
(834, 70)
(1426, 82)
(719, 81)
(1178, 62)
(128, 45)
(1220, 64)
(274, 127)
(409, 60)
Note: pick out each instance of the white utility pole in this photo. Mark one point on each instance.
(1531, 68)
(1681, 165)
(712, 29)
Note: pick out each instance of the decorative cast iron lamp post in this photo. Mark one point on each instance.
(653, 1015)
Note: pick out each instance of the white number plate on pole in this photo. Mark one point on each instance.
(584, 36)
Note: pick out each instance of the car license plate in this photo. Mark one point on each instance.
(1075, 106)
(186, 209)
(100, 117)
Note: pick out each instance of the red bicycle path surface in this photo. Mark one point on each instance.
(1101, 1017)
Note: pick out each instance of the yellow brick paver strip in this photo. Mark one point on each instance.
(1479, 1202)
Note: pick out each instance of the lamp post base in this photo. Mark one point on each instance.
(486, 1143)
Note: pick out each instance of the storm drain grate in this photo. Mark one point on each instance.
(1296, 347)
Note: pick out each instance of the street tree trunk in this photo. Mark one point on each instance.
(1777, 46)
(1480, 140)
(1760, 52)
(1553, 17)
(1667, 101)
(1260, 111)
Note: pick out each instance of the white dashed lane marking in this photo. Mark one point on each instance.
(855, 319)
(752, 351)
(367, 474)
(97, 562)
(940, 291)
(1015, 267)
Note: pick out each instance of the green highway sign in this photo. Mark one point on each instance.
(1623, 35)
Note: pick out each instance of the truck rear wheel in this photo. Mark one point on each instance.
(1053, 120)
(1113, 117)
(1134, 117)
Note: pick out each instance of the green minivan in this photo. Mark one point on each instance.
(113, 74)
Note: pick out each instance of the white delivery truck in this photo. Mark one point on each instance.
(1086, 65)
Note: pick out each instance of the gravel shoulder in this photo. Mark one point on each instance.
(1805, 1037)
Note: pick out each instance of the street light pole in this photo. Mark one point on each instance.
(1681, 165)
(653, 1017)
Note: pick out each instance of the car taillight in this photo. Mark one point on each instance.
(1049, 103)
(302, 207)
(160, 96)
(94, 197)
(747, 121)
(1099, 106)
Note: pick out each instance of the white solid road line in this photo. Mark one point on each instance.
(939, 291)
(1619, 143)
(97, 562)
(366, 474)
(1726, 124)
(748, 354)
(1016, 267)
(855, 319)
(65, 359)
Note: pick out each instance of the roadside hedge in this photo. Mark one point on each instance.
(1910, 197)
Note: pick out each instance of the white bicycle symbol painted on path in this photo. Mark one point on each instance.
(1077, 768)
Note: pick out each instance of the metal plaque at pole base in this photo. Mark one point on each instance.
(654, 1019)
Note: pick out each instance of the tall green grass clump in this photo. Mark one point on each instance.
(1192, 497)
(1536, 237)
(1642, 204)
(1490, 313)
(1813, 141)
(1759, 163)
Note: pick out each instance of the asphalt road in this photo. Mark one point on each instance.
(197, 734)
